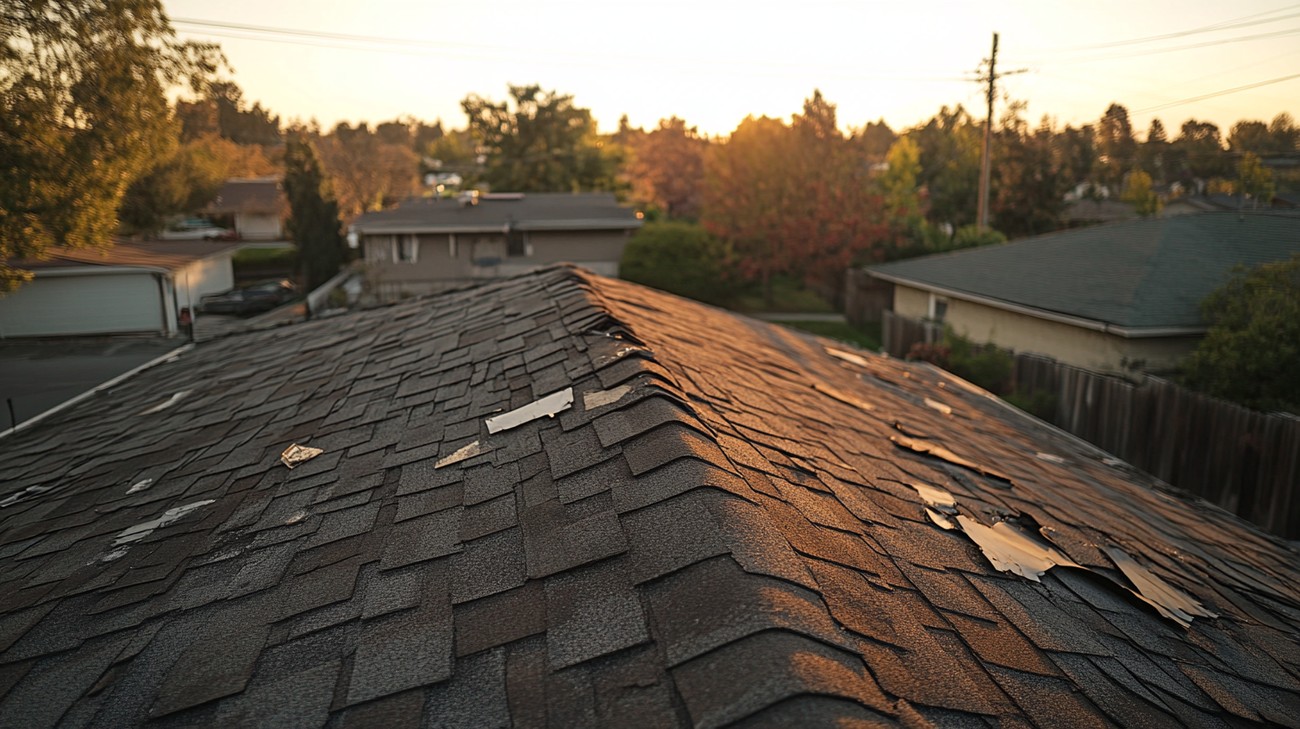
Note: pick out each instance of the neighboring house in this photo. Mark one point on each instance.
(724, 523)
(1106, 298)
(1093, 212)
(136, 287)
(258, 206)
(430, 244)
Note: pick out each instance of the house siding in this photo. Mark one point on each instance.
(483, 255)
(1085, 348)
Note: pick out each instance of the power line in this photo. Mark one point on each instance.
(1234, 23)
(1224, 92)
(1155, 51)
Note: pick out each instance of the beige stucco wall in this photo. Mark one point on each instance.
(1086, 348)
(440, 264)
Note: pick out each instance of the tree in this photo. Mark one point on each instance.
(1138, 190)
(1251, 353)
(951, 145)
(1250, 136)
(794, 199)
(1199, 150)
(666, 167)
(313, 214)
(681, 258)
(1116, 148)
(83, 113)
(1028, 185)
(366, 171)
(1153, 152)
(1254, 180)
(541, 142)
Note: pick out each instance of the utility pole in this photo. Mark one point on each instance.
(982, 216)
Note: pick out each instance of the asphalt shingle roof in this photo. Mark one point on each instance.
(1150, 273)
(524, 211)
(722, 528)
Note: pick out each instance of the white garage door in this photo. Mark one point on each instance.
(99, 304)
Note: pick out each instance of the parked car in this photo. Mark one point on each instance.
(196, 229)
(251, 299)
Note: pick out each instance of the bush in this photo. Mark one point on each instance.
(680, 258)
(1040, 403)
(985, 365)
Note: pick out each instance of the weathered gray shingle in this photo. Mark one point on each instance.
(733, 539)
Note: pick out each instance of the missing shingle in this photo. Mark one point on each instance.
(463, 454)
(936, 405)
(1049, 457)
(1168, 600)
(601, 398)
(547, 407)
(139, 486)
(940, 520)
(847, 357)
(22, 495)
(296, 455)
(937, 451)
(846, 399)
(938, 498)
(144, 529)
(177, 397)
(1010, 549)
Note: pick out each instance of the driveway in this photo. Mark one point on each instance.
(36, 375)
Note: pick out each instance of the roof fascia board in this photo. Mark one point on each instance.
(497, 228)
(1077, 321)
(107, 269)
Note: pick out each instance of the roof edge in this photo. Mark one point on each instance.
(1104, 327)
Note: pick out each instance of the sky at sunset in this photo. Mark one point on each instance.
(712, 62)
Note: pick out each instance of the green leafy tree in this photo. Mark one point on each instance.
(951, 146)
(1138, 190)
(540, 141)
(1254, 180)
(83, 113)
(1153, 152)
(313, 214)
(681, 258)
(1251, 353)
(1028, 183)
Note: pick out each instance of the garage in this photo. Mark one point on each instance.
(132, 288)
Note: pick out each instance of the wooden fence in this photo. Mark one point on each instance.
(1245, 461)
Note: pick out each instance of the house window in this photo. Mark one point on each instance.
(378, 249)
(406, 249)
(516, 245)
(938, 308)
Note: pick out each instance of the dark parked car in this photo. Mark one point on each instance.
(251, 299)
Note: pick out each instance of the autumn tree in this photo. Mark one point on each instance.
(1254, 180)
(539, 141)
(314, 222)
(222, 110)
(1138, 190)
(794, 199)
(368, 170)
(83, 113)
(666, 168)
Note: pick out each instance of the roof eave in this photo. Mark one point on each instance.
(1105, 327)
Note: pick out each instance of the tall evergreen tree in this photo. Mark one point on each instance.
(313, 213)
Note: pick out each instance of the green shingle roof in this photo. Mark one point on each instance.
(1138, 274)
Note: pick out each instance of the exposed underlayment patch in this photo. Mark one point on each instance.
(938, 451)
(936, 405)
(1168, 600)
(463, 453)
(547, 407)
(846, 399)
(172, 515)
(1011, 549)
(1050, 458)
(936, 497)
(847, 356)
(166, 403)
(296, 455)
(601, 398)
(140, 485)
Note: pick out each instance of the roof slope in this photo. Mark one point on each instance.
(723, 527)
(167, 255)
(530, 211)
(1149, 273)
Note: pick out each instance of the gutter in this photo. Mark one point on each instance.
(97, 389)
(1078, 321)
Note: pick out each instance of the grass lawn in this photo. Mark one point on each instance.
(264, 256)
(842, 331)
